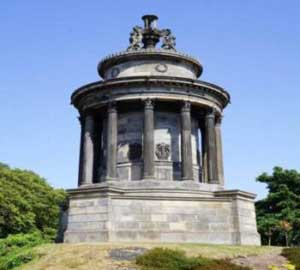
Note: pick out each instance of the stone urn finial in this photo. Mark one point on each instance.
(150, 21)
(151, 34)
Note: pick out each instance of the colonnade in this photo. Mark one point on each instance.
(210, 126)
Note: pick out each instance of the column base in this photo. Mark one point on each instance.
(109, 179)
(85, 184)
(149, 177)
(214, 182)
(187, 179)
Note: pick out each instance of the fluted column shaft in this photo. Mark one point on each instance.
(112, 132)
(212, 175)
(148, 143)
(203, 152)
(219, 150)
(186, 144)
(87, 150)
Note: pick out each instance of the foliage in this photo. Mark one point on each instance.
(293, 255)
(278, 215)
(27, 203)
(168, 259)
(287, 266)
(164, 258)
(16, 250)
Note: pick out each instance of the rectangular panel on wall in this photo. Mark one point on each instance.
(130, 146)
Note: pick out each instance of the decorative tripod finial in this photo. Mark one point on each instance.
(150, 35)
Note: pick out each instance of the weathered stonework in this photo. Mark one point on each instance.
(151, 165)
(105, 213)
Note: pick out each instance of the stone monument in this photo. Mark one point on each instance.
(151, 166)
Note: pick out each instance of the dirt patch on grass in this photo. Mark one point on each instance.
(262, 261)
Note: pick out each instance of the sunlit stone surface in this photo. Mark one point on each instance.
(151, 165)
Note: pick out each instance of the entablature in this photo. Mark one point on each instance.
(156, 87)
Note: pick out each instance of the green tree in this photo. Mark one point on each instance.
(27, 202)
(278, 215)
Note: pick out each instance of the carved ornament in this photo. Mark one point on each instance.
(162, 151)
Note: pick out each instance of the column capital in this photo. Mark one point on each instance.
(186, 106)
(211, 113)
(112, 107)
(149, 104)
(219, 120)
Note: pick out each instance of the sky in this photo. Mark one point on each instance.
(250, 48)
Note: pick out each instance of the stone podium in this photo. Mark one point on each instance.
(151, 166)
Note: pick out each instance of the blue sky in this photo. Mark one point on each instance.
(49, 48)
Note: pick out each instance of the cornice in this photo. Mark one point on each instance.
(153, 81)
(147, 54)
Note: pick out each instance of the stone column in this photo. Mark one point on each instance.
(87, 154)
(220, 168)
(98, 149)
(148, 143)
(203, 152)
(112, 132)
(212, 175)
(80, 118)
(186, 144)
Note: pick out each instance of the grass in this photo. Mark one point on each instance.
(293, 255)
(165, 258)
(169, 259)
(89, 256)
(16, 250)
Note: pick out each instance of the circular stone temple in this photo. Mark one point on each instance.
(151, 166)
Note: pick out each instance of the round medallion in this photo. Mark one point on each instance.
(162, 68)
(114, 72)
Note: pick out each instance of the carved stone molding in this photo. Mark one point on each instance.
(98, 94)
(162, 151)
(162, 68)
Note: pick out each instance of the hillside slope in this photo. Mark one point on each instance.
(117, 256)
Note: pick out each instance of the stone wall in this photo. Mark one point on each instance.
(217, 217)
(167, 146)
(87, 220)
(130, 145)
(151, 68)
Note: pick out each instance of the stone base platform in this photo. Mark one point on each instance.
(146, 212)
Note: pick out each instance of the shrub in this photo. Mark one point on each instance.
(27, 202)
(16, 258)
(21, 240)
(16, 250)
(168, 259)
(293, 255)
